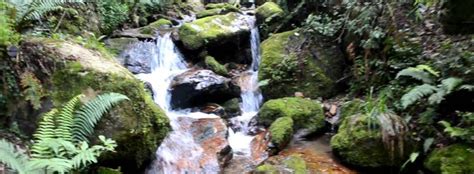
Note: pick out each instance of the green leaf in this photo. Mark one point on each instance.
(427, 144)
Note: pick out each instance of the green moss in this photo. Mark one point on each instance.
(208, 30)
(281, 131)
(350, 108)
(269, 12)
(358, 145)
(266, 169)
(151, 28)
(105, 170)
(290, 72)
(453, 159)
(232, 106)
(216, 9)
(296, 164)
(305, 113)
(215, 66)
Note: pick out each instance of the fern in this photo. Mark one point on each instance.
(89, 114)
(11, 157)
(35, 10)
(416, 94)
(450, 84)
(33, 90)
(416, 74)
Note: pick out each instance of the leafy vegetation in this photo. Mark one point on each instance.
(61, 141)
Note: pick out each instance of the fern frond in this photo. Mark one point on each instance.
(90, 113)
(416, 94)
(12, 158)
(34, 10)
(65, 118)
(416, 74)
(46, 130)
(450, 84)
(428, 69)
(52, 165)
(437, 97)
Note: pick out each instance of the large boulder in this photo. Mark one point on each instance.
(224, 37)
(293, 62)
(355, 138)
(306, 114)
(66, 69)
(212, 30)
(453, 159)
(195, 87)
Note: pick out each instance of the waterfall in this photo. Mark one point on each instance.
(179, 153)
(251, 99)
(166, 63)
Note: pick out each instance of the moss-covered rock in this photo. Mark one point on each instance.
(266, 169)
(296, 164)
(291, 164)
(281, 131)
(453, 159)
(215, 66)
(154, 26)
(305, 113)
(216, 9)
(268, 13)
(293, 63)
(232, 107)
(358, 145)
(138, 126)
(350, 108)
(216, 29)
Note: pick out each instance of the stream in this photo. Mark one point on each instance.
(183, 151)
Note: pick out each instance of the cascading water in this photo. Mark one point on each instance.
(251, 99)
(179, 153)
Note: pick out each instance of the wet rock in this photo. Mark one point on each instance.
(133, 33)
(137, 57)
(296, 63)
(119, 44)
(312, 156)
(457, 158)
(215, 109)
(232, 107)
(195, 87)
(211, 134)
(306, 114)
(215, 66)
